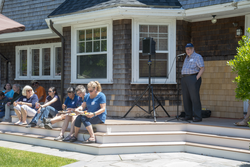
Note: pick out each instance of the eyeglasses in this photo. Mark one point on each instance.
(28, 90)
(90, 91)
(49, 91)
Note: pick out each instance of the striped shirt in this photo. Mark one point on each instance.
(192, 64)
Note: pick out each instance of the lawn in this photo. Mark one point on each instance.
(12, 157)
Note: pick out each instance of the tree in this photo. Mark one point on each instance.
(241, 65)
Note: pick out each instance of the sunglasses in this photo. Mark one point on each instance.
(28, 90)
(90, 91)
(49, 91)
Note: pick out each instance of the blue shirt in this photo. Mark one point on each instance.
(9, 94)
(33, 99)
(57, 105)
(93, 105)
(72, 103)
(192, 64)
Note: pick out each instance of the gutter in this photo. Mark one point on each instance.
(6, 68)
(62, 58)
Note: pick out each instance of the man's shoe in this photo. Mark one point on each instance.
(187, 118)
(197, 120)
(46, 121)
(48, 126)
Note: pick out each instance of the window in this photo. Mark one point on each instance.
(163, 33)
(38, 62)
(91, 54)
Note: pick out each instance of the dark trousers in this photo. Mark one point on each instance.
(191, 96)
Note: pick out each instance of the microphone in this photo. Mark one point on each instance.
(181, 54)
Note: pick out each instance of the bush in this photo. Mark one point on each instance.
(241, 65)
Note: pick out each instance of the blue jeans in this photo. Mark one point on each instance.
(2, 114)
(86, 121)
(44, 113)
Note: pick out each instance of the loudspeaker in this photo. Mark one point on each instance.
(148, 46)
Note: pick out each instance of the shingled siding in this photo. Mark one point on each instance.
(216, 41)
(8, 50)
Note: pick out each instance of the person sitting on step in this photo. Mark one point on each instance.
(51, 107)
(17, 93)
(95, 102)
(71, 102)
(8, 91)
(3, 101)
(25, 105)
(244, 122)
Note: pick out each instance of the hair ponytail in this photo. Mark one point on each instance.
(98, 86)
(95, 84)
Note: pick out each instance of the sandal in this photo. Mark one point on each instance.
(239, 124)
(67, 138)
(89, 141)
(73, 139)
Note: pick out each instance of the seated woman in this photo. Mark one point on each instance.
(9, 92)
(25, 105)
(246, 119)
(3, 101)
(52, 106)
(95, 102)
(70, 103)
(17, 94)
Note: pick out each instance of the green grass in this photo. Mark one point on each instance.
(12, 157)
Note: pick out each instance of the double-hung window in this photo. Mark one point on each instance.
(91, 54)
(163, 62)
(40, 62)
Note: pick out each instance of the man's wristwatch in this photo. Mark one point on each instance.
(94, 113)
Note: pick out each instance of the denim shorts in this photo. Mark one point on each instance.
(86, 121)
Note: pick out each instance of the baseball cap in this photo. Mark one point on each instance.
(189, 45)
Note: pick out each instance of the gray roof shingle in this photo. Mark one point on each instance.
(72, 6)
(188, 4)
(31, 13)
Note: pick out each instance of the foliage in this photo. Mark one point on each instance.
(12, 157)
(241, 65)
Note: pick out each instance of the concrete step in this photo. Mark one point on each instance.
(123, 148)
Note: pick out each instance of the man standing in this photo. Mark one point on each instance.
(39, 91)
(192, 70)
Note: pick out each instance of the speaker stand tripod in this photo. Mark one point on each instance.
(150, 91)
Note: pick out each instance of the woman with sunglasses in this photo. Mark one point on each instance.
(51, 107)
(25, 105)
(95, 102)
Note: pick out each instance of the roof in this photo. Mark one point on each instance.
(73, 6)
(189, 4)
(31, 13)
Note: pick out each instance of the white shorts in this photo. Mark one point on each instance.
(30, 111)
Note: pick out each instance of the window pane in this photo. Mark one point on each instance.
(81, 47)
(46, 61)
(82, 35)
(163, 29)
(104, 33)
(158, 67)
(92, 66)
(97, 34)
(58, 61)
(104, 45)
(89, 34)
(23, 63)
(144, 28)
(89, 46)
(153, 28)
(163, 44)
(96, 46)
(35, 62)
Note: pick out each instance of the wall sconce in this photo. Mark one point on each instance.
(214, 20)
(239, 31)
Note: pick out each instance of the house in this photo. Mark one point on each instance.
(102, 40)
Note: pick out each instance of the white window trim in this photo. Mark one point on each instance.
(171, 53)
(52, 76)
(74, 29)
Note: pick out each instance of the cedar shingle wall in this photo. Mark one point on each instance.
(8, 50)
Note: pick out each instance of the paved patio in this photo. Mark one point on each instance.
(179, 159)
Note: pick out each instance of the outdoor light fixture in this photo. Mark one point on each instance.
(214, 20)
(239, 32)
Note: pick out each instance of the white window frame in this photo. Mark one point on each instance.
(171, 23)
(74, 54)
(29, 48)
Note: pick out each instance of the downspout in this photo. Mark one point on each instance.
(62, 58)
(6, 68)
